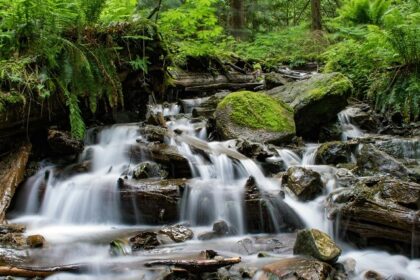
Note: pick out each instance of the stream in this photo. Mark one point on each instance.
(79, 214)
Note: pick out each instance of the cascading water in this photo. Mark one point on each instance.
(349, 130)
(81, 211)
(91, 197)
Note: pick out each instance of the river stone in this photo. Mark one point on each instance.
(61, 143)
(13, 240)
(273, 79)
(177, 233)
(154, 133)
(149, 169)
(35, 241)
(315, 243)
(335, 152)
(297, 268)
(315, 101)
(255, 117)
(371, 161)
(304, 183)
(144, 241)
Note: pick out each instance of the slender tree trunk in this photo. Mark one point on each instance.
(316, 14)
(237, 18)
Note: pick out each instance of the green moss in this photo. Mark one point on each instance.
(338, 85)
(259, 111)
(7, 99)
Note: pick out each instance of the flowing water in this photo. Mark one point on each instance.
(80, 213)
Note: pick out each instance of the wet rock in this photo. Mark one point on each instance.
(208, 107)
(156, 118)
(270, 214)
(12, 173)
(13, 240)
(335, 152)
(297, 268)
(168, 156)
(371, 161)
(74, 169)
(261, 120)
(253, 150)
(315, 243)
(118, 247)
(149, 169)
(177, 233)
(304, 183)
(363, 117)
(272, 80)
(245, 247)
(154, 133)
(61, 143)
(373, 275)
(315, 101)
(401, 148)
(35, 241)
(151, 201)
(251, 189)
(345, 178)
(12, 228)
(144, 241)
(220, 229)
(378, 212)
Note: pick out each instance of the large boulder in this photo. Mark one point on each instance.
(255, 117)
(306, 184)
(378, 212)
(317, 244)
(316, 101)
(371, 161)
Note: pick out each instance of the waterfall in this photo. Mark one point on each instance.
(91, 197)
(349, 130)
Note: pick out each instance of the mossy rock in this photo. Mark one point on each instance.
(315, 101)
(254, 116)
(317, 244)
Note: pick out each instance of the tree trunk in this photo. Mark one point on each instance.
(237, 18)
(316, 14)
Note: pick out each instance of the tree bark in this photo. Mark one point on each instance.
(12, 172)
(197, 266)
(237, 18)
(316, 14)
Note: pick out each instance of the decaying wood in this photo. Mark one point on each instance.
(198, 82)
(197, 265)
(30, 272)
(12, 172)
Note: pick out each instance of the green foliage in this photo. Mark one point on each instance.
(364, 11)
(117, 10)
(294, 46)
(382, 61)
(259, 111)
(193, 30)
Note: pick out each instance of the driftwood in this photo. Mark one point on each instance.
(12, 172)
(31, 272)
(199, 82)
(197, 266)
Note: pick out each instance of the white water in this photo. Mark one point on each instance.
(79, 213)
(349, 130)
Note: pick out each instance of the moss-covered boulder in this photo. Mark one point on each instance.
(316, 101)
(317, 244)
(254, 116)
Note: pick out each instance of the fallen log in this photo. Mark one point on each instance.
(31, 272)
(196, 266)
(12, 172)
